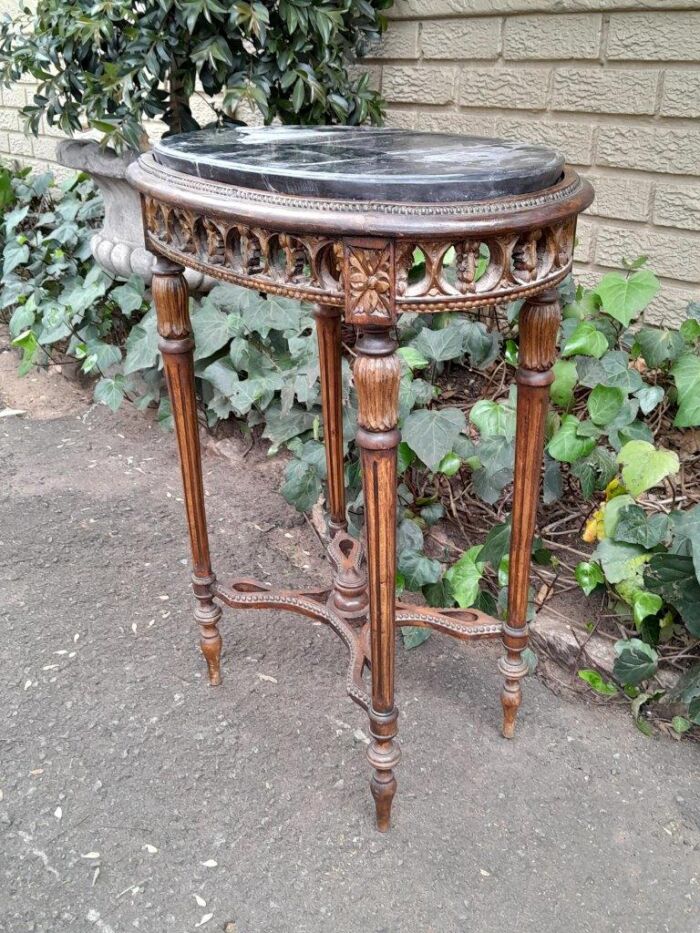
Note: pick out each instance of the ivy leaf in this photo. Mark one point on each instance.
(129, 296)
(634, 526)
(566, 446)
(414, 635)
(604, 404)
(412, 358)
(496, 545)
(272, 313)
(596, 682)
(301, 487)
(432, 513)
(649, 397)
(222, 376)
(449, 465)
(612, 369)
(464, 576)
(493, 419)
(686, 535)
(439, 345)
(210, 326)
(624, 297)
(405, 457)
(620, 561)
(586, 340)
(15, 254)
(589, 575)
(110, 392)
(645, 604)
(686, 375)
(561, 390)
(409, 536)
(480, 344)
(673, 577)
(635, 661)
(658, 346)
(553, 484)
(431, 433)
(643, 466)
(142, 345)
(417, 569)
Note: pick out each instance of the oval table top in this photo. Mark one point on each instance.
(363, 163)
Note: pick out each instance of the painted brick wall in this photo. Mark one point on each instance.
(615, 84)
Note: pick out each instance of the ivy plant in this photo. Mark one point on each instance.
(621, 440)
(112, 64)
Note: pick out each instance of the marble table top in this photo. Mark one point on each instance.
(363, 163)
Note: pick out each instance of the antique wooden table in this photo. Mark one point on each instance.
(333, 215)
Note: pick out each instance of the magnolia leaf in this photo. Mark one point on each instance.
(635, 662)
(623, 297)
(464, 576)
(431, 433)
(566, 446)
(686, 375)
(643, 466)
(604, 404)
(586, 340)
(565, 378)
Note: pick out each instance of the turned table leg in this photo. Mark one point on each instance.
(538, 325)
(328, 322)
(170, 296)
(376, 373)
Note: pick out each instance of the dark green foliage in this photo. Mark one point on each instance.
(112, 65)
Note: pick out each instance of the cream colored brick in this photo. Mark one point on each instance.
(399, 41)
(4, 142)
(20, 145)
(401, 119)
(9, 120)
(673, 255)
(573, 140)
(600, 90)
(469, 124)
(518, 88)
(529, 38)
(669, 306)
(677, 206)
(650, 149)
(664, 36)
(45, 148)
(429, 84)
(14, 96)
(374, 72)
(414, 8)
(466, 39)
(585, 240)
(681, 94)
(623, 197)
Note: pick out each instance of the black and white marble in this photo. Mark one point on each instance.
(363, 163)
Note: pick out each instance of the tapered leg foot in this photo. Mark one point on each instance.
(383, 755)
(511, 696)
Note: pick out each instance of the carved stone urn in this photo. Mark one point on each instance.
(119, 246)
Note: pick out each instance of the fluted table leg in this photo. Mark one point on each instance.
(538, 325)
(376, 373)
(328, 322)
(170, 296)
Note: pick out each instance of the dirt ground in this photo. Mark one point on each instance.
(135, 797)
